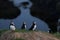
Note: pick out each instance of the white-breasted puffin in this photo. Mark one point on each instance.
(58, 25)
(49, 31)
(24, 25)
(33, 27)
(12, 26)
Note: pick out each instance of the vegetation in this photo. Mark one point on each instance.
(23, 30)
(57, 34)
(19, 39)
(17, 30)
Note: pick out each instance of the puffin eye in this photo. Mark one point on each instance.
(25, 3)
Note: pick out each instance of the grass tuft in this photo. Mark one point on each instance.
(19, 39)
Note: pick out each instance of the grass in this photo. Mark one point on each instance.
(57, 34)
(23, 30)
(17, 30)
(19, 39)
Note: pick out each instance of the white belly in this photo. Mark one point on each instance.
(34, 27)
(12, 27)
(25, 26)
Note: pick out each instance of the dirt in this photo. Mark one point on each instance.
(27, 36)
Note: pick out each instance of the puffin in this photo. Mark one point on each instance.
(33, 27)
(24, 25)
(49, 31)
(58, 26)
(12, 26)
